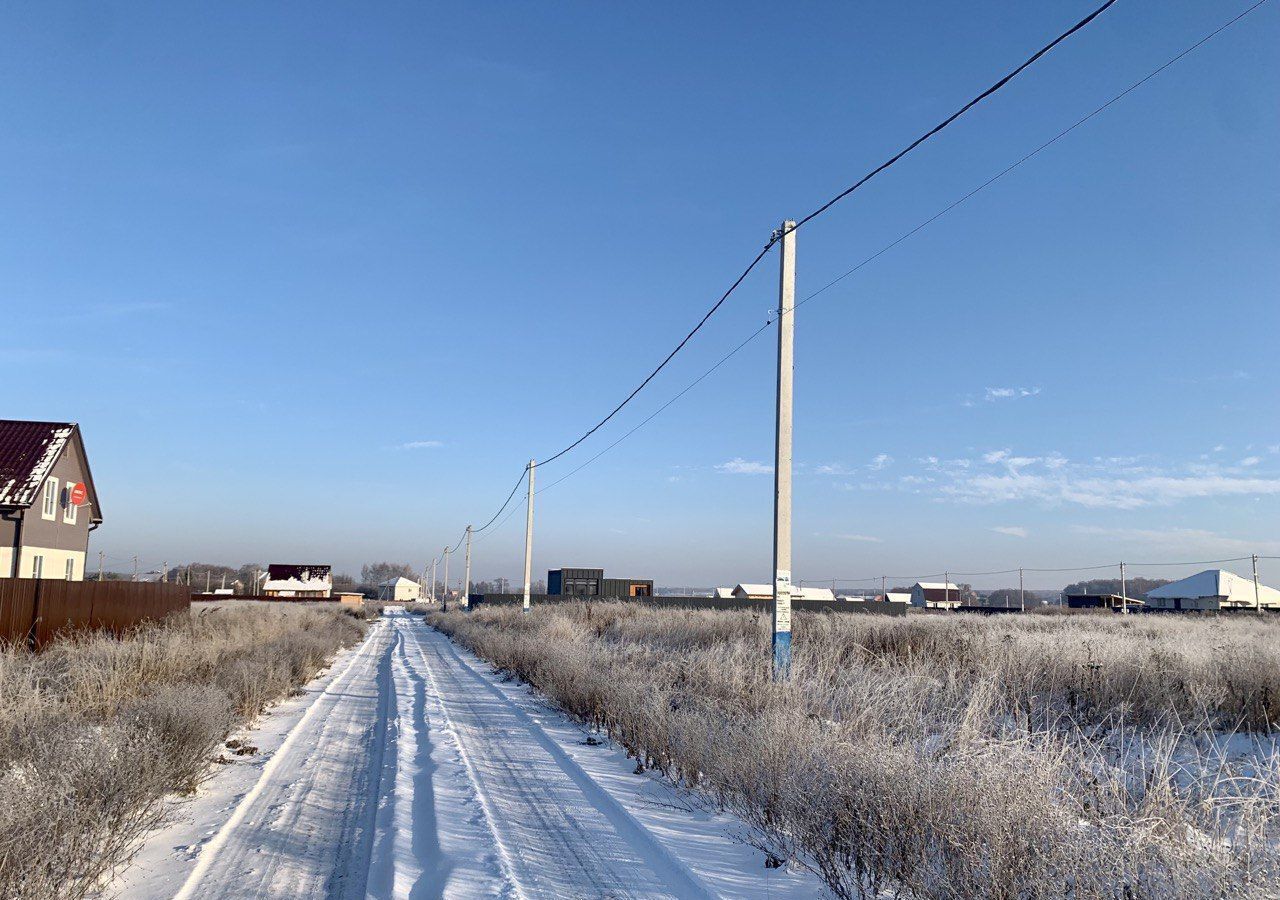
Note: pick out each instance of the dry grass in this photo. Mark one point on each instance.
(95, 730)
(941, 757)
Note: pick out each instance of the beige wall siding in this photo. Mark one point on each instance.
(54, 563)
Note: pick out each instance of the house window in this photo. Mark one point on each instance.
(50, 507)
(37, 567)
(71, 511)
(71, 570)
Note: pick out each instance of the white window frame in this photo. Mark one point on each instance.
(37, 566)
(49, 503)
(71, 568)
(72, 512)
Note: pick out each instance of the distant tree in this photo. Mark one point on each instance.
(1134, 587)
(343, 581)
(376, 573)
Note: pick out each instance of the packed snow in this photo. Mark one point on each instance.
(410, 769)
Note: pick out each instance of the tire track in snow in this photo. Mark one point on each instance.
(215, 852)
(583, 842)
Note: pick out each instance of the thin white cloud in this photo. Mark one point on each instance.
(421, 445)
(1251, 460)
(880, 461)
(1193, 540)
(861, 538)
(740, 466)
(1012, 530)
(1009, 393)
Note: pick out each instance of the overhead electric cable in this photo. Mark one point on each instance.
(826, 206)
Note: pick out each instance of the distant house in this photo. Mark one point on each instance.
(723, 593)
(298, 581)
(48, 504)
(592, 583)
(935, 595)
(400, 590)
(1212, 589)
(896, 597)
(753, 591)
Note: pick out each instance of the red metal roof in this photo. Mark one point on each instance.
(27, 451)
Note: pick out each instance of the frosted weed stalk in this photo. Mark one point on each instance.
(941, 757)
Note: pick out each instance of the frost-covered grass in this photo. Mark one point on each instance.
(941, 757)
(96, 730)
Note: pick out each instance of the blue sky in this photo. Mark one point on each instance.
(318, 280)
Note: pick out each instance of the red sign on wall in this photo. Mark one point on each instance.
(77, 494)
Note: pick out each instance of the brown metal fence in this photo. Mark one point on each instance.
(35, 610)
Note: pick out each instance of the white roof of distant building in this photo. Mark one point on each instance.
(723, 593)
(1216, 583)
(936, 585)
(297, 584)
(810, 593)
(394, 582)
(756, 588)
(898, 596)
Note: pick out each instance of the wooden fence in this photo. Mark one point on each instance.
(35, 610)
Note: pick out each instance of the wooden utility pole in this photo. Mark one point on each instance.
(445, 603)
(528, 537)
(1124, 592)
(1257, 594)
(782, 456)
(466, 581)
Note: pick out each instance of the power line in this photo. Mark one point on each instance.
(912, 232)
(777, 235)
(1046, 145)
(1031, 60)
(826, 206)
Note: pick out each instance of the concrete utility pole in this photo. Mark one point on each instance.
(1124, 592)
(164, 573)
(1257, 595)
(207, 576)
(135, 568)
(782, 456)
(1022, 594)
(433, 579)
(528, 537)
(102, 577)
(946, 589)
(445, 603)
(466, 581)
(884, 591)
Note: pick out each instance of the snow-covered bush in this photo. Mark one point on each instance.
(942, 757)
(96, 730)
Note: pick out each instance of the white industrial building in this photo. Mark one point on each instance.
(1213, 589)
(765, 592)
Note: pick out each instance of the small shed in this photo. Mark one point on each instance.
(349, 598)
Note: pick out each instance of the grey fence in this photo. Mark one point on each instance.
(723, 603)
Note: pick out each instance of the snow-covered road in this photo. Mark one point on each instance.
(411, 770)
